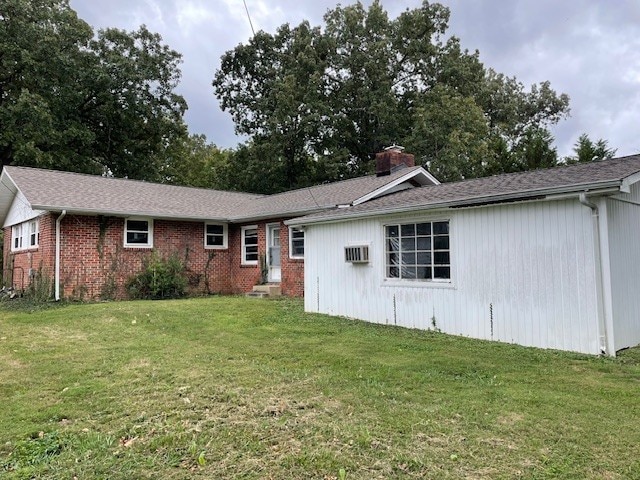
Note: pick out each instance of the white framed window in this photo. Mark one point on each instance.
(34, 233)
(138, 232)
(418, 251)
(215, 235)
(296, 242)
(25, 235)
(16, 237)
(250, 245)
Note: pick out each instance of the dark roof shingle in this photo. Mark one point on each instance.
(81, 193)
(569, 178)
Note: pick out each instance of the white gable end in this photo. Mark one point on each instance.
(420, 177)
(20, 211)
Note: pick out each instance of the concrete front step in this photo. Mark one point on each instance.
(256, 294)
(269, 290)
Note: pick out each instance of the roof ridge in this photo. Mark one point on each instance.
(337, 182)
(555, 167)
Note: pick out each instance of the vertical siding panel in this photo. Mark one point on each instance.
(556, 236)
(532, 261)
(624, 254)
(527, 232)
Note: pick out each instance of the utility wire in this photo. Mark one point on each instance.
(249, 17)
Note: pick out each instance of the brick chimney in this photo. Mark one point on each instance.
(391, 159)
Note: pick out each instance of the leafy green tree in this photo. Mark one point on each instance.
(70, 100)
(134, 113)
(44, 48)
(450, 131)
(273, 87)
(194, 162)
(339, 94)
(535, 150)
(588, 151)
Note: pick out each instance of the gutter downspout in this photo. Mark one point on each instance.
(57, 274)
(602, 322)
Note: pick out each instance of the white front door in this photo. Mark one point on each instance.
(273, 251)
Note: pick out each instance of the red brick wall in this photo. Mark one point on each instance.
(246, 276)
(18, 265)
(292, 268)
(96, 265)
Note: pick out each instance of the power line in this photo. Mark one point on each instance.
(249, 17)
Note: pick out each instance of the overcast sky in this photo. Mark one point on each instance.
(589, 49)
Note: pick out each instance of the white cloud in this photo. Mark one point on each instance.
(193, 14)
(588, 49)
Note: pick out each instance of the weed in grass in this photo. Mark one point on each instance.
(276, 393)
(37, 449)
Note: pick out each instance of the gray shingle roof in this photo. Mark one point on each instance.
(319, 197)
(80, 193)
(55, 190)
(558, 180)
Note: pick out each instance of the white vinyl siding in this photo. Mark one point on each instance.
(215, 236)
(138, 233)
(624, 232)
(20, 211)
(521, 273)
(250, 245)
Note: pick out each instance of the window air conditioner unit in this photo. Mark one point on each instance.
(357, 254)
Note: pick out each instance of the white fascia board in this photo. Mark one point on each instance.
(628, 181)
(125, 214)
(385, 188)
(8, 191)
(429, 176)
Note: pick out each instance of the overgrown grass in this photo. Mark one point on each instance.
(243, 388)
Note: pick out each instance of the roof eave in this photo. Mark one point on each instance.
(276, 215)
(115, 213)
(8, 191)
(598, 188)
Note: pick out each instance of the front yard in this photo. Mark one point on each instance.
(240, 388)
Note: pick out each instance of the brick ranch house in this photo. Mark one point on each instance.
(90, 234)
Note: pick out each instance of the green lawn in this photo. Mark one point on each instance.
(240, 388)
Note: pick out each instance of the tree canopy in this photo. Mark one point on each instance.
(71, 99)
(585, 150)
(320, 101)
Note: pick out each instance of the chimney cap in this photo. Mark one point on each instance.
(394, 148)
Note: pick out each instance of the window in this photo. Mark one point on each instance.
(138, 232)
(250, 245)
(16, 232)
(418, 251)
(25, 235)
(34, 233)
(296, 243)
(215, 235)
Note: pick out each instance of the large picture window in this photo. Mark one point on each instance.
(418, 251)
(138, 232)
(296, 243)
(215, 235)
(250, 245)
